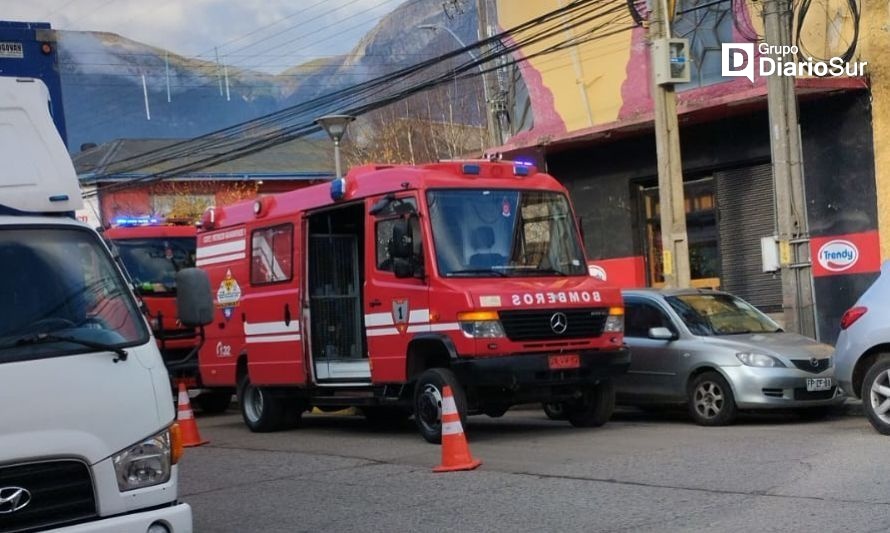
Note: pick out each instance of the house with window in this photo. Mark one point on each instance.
(135, 195)
(585, 115)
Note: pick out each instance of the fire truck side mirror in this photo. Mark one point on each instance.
(402, 243)
(194, 301)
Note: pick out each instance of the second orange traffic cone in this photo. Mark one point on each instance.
(455, 451)
(186, 419)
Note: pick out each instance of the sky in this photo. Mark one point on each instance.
(268, 35)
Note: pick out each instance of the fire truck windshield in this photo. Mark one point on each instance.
(153, 263)
(500, 232)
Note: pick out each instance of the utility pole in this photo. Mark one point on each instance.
(791, 208)
(492, 92)
(674, 239)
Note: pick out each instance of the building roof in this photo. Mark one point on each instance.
(294, 160)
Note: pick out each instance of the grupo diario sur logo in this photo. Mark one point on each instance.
(739, 60)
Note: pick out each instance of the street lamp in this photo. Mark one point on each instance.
(494, 126)
(335, 126)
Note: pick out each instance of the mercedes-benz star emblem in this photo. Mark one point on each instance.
(559, 323)
(13, 499)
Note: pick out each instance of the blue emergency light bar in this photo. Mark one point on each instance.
(471, 168)
(135, 221)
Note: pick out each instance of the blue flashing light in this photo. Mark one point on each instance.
(338, 189)
(471, 168)
(135, 221)
(521, 170)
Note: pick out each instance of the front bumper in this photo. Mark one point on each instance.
(177, 519)
(516, 372)
(759, 388)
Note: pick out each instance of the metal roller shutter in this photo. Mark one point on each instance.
(745, 213)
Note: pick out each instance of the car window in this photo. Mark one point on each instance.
(640, 317)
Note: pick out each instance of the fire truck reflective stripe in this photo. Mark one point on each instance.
(451, 428)
(445, 326)
(265, 328)
(272, 338)
(220, 259)
(379, 332)
(448, 406)
(419, 316)
(378, 319)
(220, 249)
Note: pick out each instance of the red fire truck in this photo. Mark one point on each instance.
(153, 252)
(377, 290)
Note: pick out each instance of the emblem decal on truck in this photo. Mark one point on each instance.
(229, 295)
(400, 314)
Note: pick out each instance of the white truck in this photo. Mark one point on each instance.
(88, 440)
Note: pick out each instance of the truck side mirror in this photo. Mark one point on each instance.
(403, 268)
(194, 300)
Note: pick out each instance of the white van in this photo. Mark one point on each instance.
(88, 441)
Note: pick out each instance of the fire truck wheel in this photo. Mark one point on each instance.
(595, 408)
(428, 393)
(261, 410)
(214, 403)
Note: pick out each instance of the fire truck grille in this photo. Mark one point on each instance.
(537, 324)
(60, 492)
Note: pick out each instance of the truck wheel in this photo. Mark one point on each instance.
(214, 403)
(428, 394)
(710, 400)
(595, 408)
(261, 410)
(876, 395)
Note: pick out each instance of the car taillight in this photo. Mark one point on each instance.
(852, 315)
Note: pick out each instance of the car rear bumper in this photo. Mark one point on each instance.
(177, 519)
(759, 388)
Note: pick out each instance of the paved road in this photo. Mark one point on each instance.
(638, 473)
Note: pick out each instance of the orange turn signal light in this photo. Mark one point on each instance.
(176, 447)
(618, 311)
(476, 316)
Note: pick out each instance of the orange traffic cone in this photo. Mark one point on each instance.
(186, 419)
(455, 451)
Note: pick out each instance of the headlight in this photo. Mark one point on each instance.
(759, 360)
(148, 462)
(615, 322)
(481, 324)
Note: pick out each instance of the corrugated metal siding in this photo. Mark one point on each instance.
(745, 214)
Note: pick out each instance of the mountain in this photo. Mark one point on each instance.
(104, 98)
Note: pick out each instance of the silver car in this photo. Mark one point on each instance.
(863, 352)
(718, 354)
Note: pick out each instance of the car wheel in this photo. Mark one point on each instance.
(711, 402)
(555, 410)
(262, 411)
(595, 408)
(214, 403)
(876, 395)
(428, 394)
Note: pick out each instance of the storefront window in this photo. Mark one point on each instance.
(701, 228)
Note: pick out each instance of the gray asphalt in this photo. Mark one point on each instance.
(638, 473)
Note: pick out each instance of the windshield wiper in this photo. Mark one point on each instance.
(537, 270)
(736, 332)
(41, 338)
(470, 271)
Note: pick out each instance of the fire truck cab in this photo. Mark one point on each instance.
(378, 289)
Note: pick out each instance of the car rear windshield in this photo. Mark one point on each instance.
(720, 314)
(153, 263)
(59, 282)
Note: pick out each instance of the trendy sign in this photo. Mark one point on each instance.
(855, 253)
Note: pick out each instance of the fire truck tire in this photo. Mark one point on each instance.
(595, 408)
(428, 393)
(262, 411)
(214, 403)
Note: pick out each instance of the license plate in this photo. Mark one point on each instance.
(817, 384)
(559, 362)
